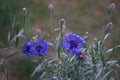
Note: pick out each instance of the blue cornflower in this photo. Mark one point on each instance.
(72, 43)
(28, 48)
(41, 47)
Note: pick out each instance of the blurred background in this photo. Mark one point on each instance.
(80, 16)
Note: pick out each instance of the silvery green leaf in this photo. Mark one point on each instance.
(104, 77)
(18, 35)
(118, 65)
(21, 31)
(106, 37)
(57, 41)
(88, 72)
(72, 58)
(50, 61)
(99, 73)
(43, 74)
(109, 50)
(56, 29)
(49, 43)
(112, 62)
(37, 69)
(55, 78)
(99, 45)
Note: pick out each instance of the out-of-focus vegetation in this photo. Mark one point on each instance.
(80, 16)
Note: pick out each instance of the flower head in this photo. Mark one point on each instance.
(72, 43)
(41, 47)
(28, 48)
(112, 6)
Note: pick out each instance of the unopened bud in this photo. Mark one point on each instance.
(81, 57)
(25, 10)
(62, 21)
(59, 62)
(50, 6)
(109, 25)
(112, 7)
(64, 55)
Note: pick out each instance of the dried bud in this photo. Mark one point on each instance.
(112, 7)
(25, 10)
(50, 6)
(81, 57)
(109, 25)
(34, 38)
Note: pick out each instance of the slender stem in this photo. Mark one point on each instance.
(61, 36)
(110, 13)
(51, 24)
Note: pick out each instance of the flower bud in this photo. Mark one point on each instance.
(81, 57)
(59, 62)
(62, 23)
(50, 6)
(109, 25)
(34, 38)
(112, 7)
(64, 55)
(25, 10)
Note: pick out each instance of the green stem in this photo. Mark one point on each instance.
(51, 24)
(61, 36)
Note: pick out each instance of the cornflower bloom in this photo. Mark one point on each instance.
(28, 49)
(72, 43)
(41, 47)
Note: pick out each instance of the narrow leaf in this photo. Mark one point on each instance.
(37, 69)
(103, 78)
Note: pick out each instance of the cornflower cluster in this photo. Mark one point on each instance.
(39, 47)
